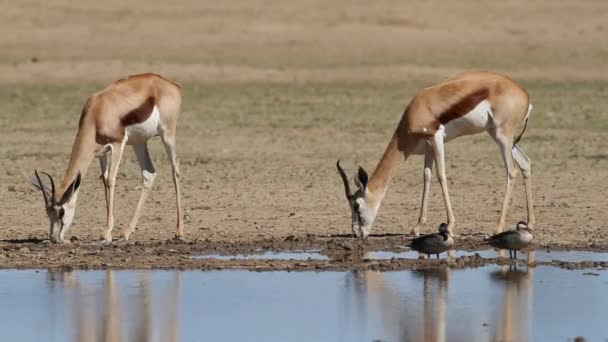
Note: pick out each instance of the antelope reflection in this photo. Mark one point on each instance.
(371, 293)
(105, 314)
(515, 317)
(407, 315)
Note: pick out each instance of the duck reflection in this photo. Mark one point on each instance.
(515, 316)
(110, 314)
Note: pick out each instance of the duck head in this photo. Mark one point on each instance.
(443, 230)
(522, 225)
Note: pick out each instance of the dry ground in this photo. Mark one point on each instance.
(276, 91)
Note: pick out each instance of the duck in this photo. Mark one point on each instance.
(513, 240)
(433, 243)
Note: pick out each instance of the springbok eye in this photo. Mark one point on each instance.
(61, 213)
(356, 206)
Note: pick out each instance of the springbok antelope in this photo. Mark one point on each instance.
(466, 104)
(129, 111)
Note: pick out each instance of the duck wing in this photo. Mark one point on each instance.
(428, 243)
(505, 239)
(503, 235)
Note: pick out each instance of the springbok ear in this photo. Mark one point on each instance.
(71, 190)
(362, 178)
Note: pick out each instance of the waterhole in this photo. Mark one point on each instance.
(476, 304)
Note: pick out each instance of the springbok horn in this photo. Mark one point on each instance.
(344, 179)
(52, 186)
(44, 194)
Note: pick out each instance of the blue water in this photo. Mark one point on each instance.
(541, 304)
(540, 255)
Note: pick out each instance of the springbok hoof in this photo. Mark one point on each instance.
(416, 230)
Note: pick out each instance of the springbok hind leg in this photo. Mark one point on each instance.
(168, 138)
(525, 165)
(148, 174)
(505, 144)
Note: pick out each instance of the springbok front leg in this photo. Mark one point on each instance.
(438, 150)
(104, 163)
(116, 155)
(427, 175)
(506, 144)
(168, 138)
(525, 165)
(148, 174)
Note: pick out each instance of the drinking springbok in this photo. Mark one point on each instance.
(466, 104)
(129, 111)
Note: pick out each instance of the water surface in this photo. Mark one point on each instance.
(483, 304)
(539, 255)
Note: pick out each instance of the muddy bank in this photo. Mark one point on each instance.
(340, 253)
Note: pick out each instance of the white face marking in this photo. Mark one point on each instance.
(141, 132)
(363, 217)
(61, 218)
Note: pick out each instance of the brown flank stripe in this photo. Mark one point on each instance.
(139, 114)
(465, 105)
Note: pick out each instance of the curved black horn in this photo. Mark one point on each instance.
(52, 186)
(44, 194)
(344, 179)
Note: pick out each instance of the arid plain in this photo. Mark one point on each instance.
(275, 92)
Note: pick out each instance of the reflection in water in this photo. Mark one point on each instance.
(371, 293)
(515, 320)
(490, 303)
(105, 314)
(420, 314)
(435, 301)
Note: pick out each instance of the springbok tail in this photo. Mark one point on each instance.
(525, 124)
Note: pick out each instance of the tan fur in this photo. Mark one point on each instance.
(437, 105)
(456, 96)
(103, 123)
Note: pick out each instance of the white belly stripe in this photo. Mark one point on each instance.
(476, 121)
(141, 132)
(473, 122)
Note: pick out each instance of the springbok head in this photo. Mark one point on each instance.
(60, 212)
(362, 208)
